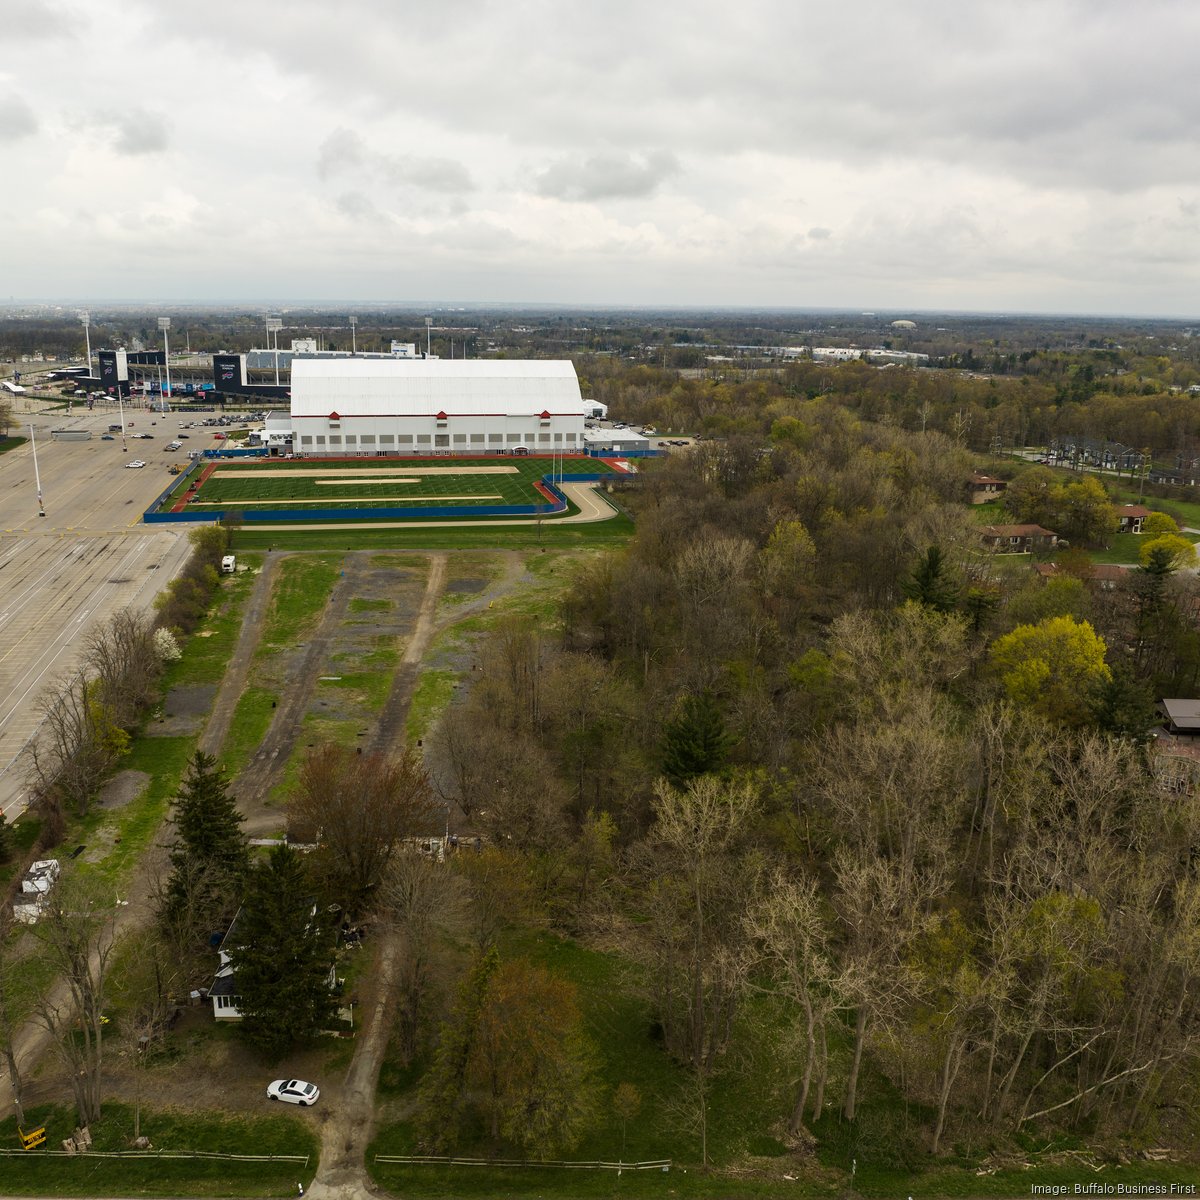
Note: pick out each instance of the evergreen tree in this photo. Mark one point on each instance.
(695, 740)
(210, 854)
(281, 950)
(1124, 704)
(6, 848)
(930, 584)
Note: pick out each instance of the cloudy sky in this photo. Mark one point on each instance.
(1040, 155)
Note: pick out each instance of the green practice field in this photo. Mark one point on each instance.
(297, 485)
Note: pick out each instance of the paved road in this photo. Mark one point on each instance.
(66, 572)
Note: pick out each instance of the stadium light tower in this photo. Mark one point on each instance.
(37, 477)
(353, 340)
(85, 319)
(428, 336)
(164, 323)
(274, 325)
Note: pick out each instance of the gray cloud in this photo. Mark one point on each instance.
(616, 176)
(139, 132)
(17, 119)
(35, 21)
(345, 151)
(1003, 153)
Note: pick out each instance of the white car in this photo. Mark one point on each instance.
(137, 462)
(174, 445)
(294, 1091)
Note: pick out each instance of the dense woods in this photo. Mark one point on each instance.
(825, 770)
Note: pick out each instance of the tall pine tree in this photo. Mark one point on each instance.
(210, 855)
(930, 584)
(695, 740)
(281, 949)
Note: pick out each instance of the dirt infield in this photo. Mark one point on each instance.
(329, 472)
(369, 478)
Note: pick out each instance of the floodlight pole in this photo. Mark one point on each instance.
(164, 323)
(274, 324)
(121, 410)
(85, 320)
(353, 340)
(37, 477)
(428, 337)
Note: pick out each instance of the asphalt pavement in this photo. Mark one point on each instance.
(64, 573)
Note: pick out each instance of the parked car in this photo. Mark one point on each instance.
(107, 437)
(137, 462)
(294, 1091)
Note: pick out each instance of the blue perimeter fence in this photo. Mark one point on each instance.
(153, 515)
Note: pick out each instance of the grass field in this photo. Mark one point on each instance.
(469, 537)
(38, 1173)
(246, 485)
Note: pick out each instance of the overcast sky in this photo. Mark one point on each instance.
(925, 154)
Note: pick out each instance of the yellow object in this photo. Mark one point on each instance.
(32, 1138)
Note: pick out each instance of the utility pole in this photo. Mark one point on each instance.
(37, 478)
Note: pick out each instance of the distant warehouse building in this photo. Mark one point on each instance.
(384, 404)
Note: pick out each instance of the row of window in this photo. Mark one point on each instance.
(439, 439)
(226, 1001)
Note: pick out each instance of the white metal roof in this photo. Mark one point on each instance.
(391, 386)
(615, 437)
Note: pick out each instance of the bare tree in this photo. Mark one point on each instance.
(360, 807)
(77, 745)
(121, 656)
(76, 933)
(425, 902)
(789, 926)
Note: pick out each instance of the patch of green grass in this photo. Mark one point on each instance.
(1125, 548)
(358, 604)
(251, 720)
(10, 443)
(613, 532)
(134, 825)
(38, 1173)
(432, 697)
(373, 686)
(206, 653)
(302, 589)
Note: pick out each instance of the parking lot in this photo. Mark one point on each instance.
(64, 573)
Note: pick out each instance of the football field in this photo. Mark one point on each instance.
(297, 485)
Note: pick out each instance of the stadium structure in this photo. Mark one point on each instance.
(368, 405)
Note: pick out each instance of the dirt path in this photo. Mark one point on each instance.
(265, 769)
(390, 729)
(344, 1138)
(238, 671)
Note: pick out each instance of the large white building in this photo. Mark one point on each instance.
(382, 404)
